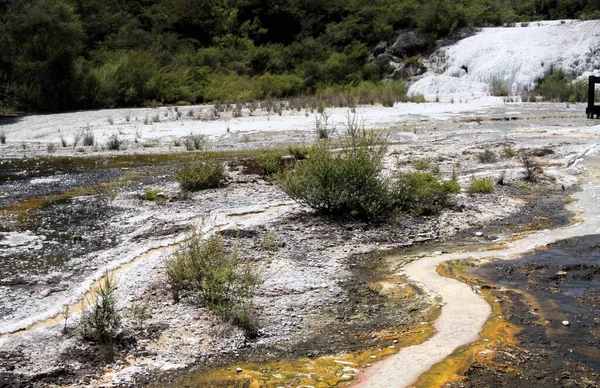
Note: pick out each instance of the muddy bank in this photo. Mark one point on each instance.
(552, 297)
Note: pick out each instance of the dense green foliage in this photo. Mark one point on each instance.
(558, 87)
(67, 54)
(348, 182)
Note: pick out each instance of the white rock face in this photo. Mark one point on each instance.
(516, 56)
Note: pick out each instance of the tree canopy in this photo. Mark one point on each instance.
(73, 54)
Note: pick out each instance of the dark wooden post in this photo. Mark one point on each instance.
(591, 108)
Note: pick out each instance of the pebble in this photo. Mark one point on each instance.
(566, 323)
(238, 370)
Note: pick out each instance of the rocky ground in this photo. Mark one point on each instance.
(319, 295)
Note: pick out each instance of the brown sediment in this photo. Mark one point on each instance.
(497, 333)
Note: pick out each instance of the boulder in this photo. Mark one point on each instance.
(387, 58)
(407, 71)
(409, 42)
(379, 48)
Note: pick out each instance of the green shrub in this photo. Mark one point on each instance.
(558, 87)
(100, 322)
(481, 186)
(420, 164)
(452, 186)
(200, 175)
(224, 283)
(323, 124)
(417, 98)
(508, 152)
(152, 195)
(341, 183)
(421, 193)
(531, 166)
(270, 162)
(299, 153)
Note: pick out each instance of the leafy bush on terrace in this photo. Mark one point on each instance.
(481, 186)
(345, 182)
(224, 283)
(200, 175)
(422, 193)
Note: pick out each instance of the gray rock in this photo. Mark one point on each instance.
(407, 71)
(387, 58)
(380, 48)
(409, 42)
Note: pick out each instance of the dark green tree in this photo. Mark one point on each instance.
(40, 41)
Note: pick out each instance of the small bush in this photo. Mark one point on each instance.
(487, 156)
(417, 98)
(342, 183)
(200, 175)
(420, 164)
(2, 137)
(452, 186)
(421, 193)
(88, 138)
(531, 166)
(76, 138)
(508, 152)
(323, 125)
(223, 282)
(100, 321)
(270, 162)
(558, 87)
(115, 142)
(270, 242)
(51, 147)
(194, 142)
(152, 195)
(481, 186)
(63, 141)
